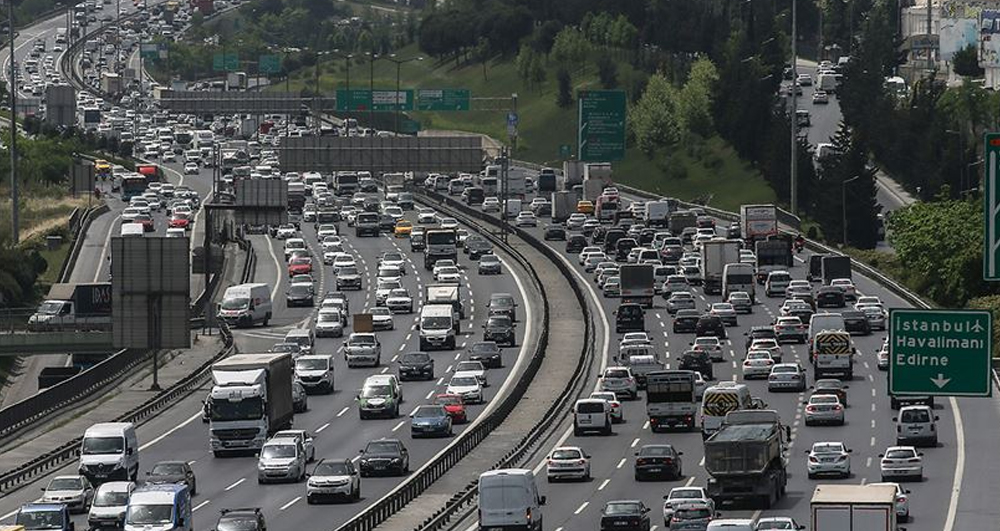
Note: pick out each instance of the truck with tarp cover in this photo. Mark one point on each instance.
(746, 460)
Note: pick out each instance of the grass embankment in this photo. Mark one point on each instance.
(710, 169)
(41, 217)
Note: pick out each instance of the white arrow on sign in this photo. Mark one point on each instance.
(940, 381)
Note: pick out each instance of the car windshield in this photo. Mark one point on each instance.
(393, 257)
(825, 448)
(656, 451)
(66, 484)
(692, 513)
(149, 514)
(775, 525)
(417, 357)
(616, 373)
(615, 508)
(483, 348)
(785, 368)
(362, 340)
(464, 381)
(901, 453)
(272, 451)
(435, 323)
(376, 391)
(685, 494)
(428, 412)
(915, 415)
(565, 453)
(824, 399)
(498, 322)
(348, 270)
(235, 304)
(167, 469)
(328, 317)
(103, 445)
(237, 523)
(332, 469)
(382, 448)
(300, 289)
(469, 366)
(111, 498)
(314, 364)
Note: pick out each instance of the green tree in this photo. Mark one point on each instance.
(966, 62)
(607, 71)
(564, 96)
(570, 49)
(694, 102)
(847, 175)
(654, 120)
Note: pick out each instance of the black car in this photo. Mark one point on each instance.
(500, 329)
(646, 237)
(405, 200)
(686, 321)
(623, 247)
(630, 318)
(554, 233)
(830, 297)
(416, 366)
(610, 240)
(759, 332)
(733, 230)
(299, 295)
(576, 243)
(243, 519)
(710, 325)
(386, 223)
(173, 472)
(502, 304)
(487, 352)
(627, 515)
(384, 456)
(671, 254)
(856, 322)
(657, 460)
(697, 360)
(476, 247)
(473, 195)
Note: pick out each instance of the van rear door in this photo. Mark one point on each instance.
(503, 501)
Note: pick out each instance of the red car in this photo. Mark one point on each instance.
(454, 406)
(147, 223)
(300, 266)
(180, 221)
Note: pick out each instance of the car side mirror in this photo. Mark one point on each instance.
(920, 454)
(131, 451)
(72, 526)
(680, 453)
(937, 417)
(542, 500)
(881, 455)
(894, 419)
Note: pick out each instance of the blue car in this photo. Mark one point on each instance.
(430, 421)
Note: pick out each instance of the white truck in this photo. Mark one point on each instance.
(563, 205)
(598, 171)
(853, 507)
(592, 189)
(715, 254)
(671, 399)
(758, 222)
(656, 213)
(74, 307)
(637, 284)
(449, 294)
(250, 401)
(516, 186)
(572, 173)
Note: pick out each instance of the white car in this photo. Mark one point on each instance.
(467, 386)
(869, 299)
(770, 345)
(902, 501)
(399, 301)
(426, 216)
(343, 260)
(332, 244)
(473, 367)
(393, 259)
(449, 223)
(284, 232)
(619, 380)
(567, 462)
(847, 286)
(902, 463)
(576, 221)
(381, 318)
(191, 168)
(710, 344)
(617, 411)
(491, 204)
(757, 364)
(526, 219)
(329, 323)
(829, 458)
(440, 264)
(73, 491)
(325, 230)
(448, 275)
(777, 523)
(681, 495)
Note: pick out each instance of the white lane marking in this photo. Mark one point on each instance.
(645, 426)
(323, 427)
(635, 442)
(200, 505)
(581, 507)
(169, 432)
(429, 395)
(342, 411)
(604, 484)
(868, 462)
(440, 380)
(289, 504)
(397, 426)
(872, 443)
(689, 481)
(956, 486)
(620, 463)
(385, 370)
(107, 246)
(277, 268)
(236, 484)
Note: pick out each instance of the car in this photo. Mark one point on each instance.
(786, 376)
(883, 357)
(467, 386)
(612, 287)
(348, 277)
(416, 365)
(831, 386)
(710, 325)
(300, 400)
(875, 314)
(384, 457)
(554, 233)
(829, 458)
(740, 301)
(299, 266)
(489, 264)
(402, 229)
(491, 204)
(333, 478)
(299, 295)
(770, 345)
(679, 496)
(430, 420)
(486, 352)
(824, 409)
(625, 515)
(694, 514)
(856, 322)
(364, 345)
(329, 323)
(567, 462)
(868, 299)
(173, 472)
(75, 492)
(585, 207)
(617, 411)
(246, 519)
(526, 219)
(282, 459)
(790, 329)
(847, 286)
(685, 321)
(476, 247)
(830, 297)
(301, 437)
(680, 300)
(473, 367)
(381, 318)
(757, 364)
(500, 329)
(902, 501)
(777, 523)
(657, 460)
(901, 463)
(454, 405)
(449, 274)
(619, 380)
(796, 308)
(916, 425)
(711, 345)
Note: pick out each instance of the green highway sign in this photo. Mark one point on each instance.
(226, 62)
(269, 64)
(991, 255)
(151, 51)
(601, 125)
(443, 99)
(378, 100)
(940, 352)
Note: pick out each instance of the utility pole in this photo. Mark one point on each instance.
(371, 88)
(794, 201)
(12, 89)
(843, 205)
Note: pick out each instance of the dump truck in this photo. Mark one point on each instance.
(74, 307)
(758, 222)
(563, 205)
(250, 401)
(773, 254)
(715, 254)
(637, 285)
(835, 267)
(440, 244)
(296, 196)
(681, 220)
(853, 507)
(745, 460)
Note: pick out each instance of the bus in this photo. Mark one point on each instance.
(719, 400)
(133, 185)
(606, 209)
(671, 399)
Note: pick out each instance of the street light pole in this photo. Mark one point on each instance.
(12, 89)
(371, 87)
(794, 180)
(395, 99)
(843, 205)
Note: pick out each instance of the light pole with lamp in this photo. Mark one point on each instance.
(843, 204)
(372, 57)
(12, 89)
(399, 63)
(347, 60)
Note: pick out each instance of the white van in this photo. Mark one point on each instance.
(315, 372)
(133, 230)
(108, 452)
(739, 277)
(718, 401)
(160, 507)
(246, 305)
(819, 322)
(509, 500)
(437, 327)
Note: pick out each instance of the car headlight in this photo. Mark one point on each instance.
(397, 460)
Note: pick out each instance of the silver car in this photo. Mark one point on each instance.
(619, 380)
(334, 478)
(786, 376)
(109, 505)
(824, 409)
(829, 458)
(73, 491)
(680, 300)
(902, 463)
(362, 348)
(281, 460)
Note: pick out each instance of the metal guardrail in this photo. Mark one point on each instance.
(81, 229)
(423, 478)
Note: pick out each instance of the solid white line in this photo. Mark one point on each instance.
(289, 504)
(106, 248)
(956, 486)
(234, 485)
(277, 268)
(200, 505)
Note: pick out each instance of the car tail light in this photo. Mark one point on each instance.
(813, 459)
(913, 460)
(837, 407)
(581, 462)
(899, 428)
(810, 408)
(640, 461)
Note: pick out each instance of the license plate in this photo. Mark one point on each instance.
(655, 469)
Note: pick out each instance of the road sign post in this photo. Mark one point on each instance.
(940, 352)
(601, 125)
(269, 64)
(991, 210)
(443, 99)
(377, 100)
